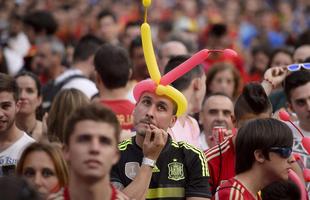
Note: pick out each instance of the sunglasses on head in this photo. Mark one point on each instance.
(284, 152)
(296, 67)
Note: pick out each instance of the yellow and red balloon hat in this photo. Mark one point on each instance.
(160, 85)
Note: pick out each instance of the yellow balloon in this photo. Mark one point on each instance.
(146, 3)
(175, 95)
(149, 54)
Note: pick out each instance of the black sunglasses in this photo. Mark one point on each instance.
(284, 152)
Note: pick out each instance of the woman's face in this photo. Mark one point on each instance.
(281, 59)
(39, 170)
(223, 82)
(29, 99)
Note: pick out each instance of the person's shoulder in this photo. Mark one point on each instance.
(219, 149)
(26, 138)
(230, 189)
(181, 145)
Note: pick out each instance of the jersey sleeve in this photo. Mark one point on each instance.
(115, 178)
(197, 184)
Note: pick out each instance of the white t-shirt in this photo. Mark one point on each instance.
(11, 155)
(85, 85)
(202, 142)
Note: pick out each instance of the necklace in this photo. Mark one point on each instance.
(34, 127)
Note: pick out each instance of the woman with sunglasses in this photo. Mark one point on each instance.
(263, 155)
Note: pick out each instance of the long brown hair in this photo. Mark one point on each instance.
(64, 104)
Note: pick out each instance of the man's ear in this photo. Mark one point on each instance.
(18, 103)
(65, 152)
(233, 119)
(173, 120)
(259, 156)
(197, 83)
(289, 106)
(98, 79)
(116, 157)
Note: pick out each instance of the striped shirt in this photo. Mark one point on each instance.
(233, 190)
(221, 163)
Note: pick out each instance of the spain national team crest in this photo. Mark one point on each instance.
(176, 171)
(131, 169)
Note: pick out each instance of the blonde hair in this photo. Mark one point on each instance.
(64, 104)
(54, 152)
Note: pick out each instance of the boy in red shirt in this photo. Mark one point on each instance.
(263, 151)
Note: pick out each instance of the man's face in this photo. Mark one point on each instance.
(300, 103)
(217, 111)
(277, 167)
(8, 110)
(92, 150)
(44, 59)
(153, 109)
(301, 54)
(108, 28)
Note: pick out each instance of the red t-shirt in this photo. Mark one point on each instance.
(221, 163)
(67, 196)
(233, 190)
(123, 109)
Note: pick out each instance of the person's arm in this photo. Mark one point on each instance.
(154, 141)
(197, 198)
(197, 179)
(273, 77)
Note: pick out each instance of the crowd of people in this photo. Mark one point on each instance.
(71, 126)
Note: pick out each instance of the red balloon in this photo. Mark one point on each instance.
(306, 144)
(284, 116)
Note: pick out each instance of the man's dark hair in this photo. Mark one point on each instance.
(295, 80)
(106, 13)
(93, 112)
(41, 21)
(8, 84)
(113, 65)
(16, 188)
(218, 30)
(284, 190)
(86, 47)
(253, 100)
(184, 81)
(260, 134)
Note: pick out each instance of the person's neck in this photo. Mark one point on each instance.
(57, 70)
(83, 67)
(26, 122)
(246, 178)
(119, 93)
(79, 189)
(9, 137)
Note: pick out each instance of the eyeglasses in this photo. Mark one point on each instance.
(296, 67)
(284, 152)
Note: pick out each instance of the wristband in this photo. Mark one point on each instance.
(148, 162)
(270, 82)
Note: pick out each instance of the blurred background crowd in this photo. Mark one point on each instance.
(253, 28)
